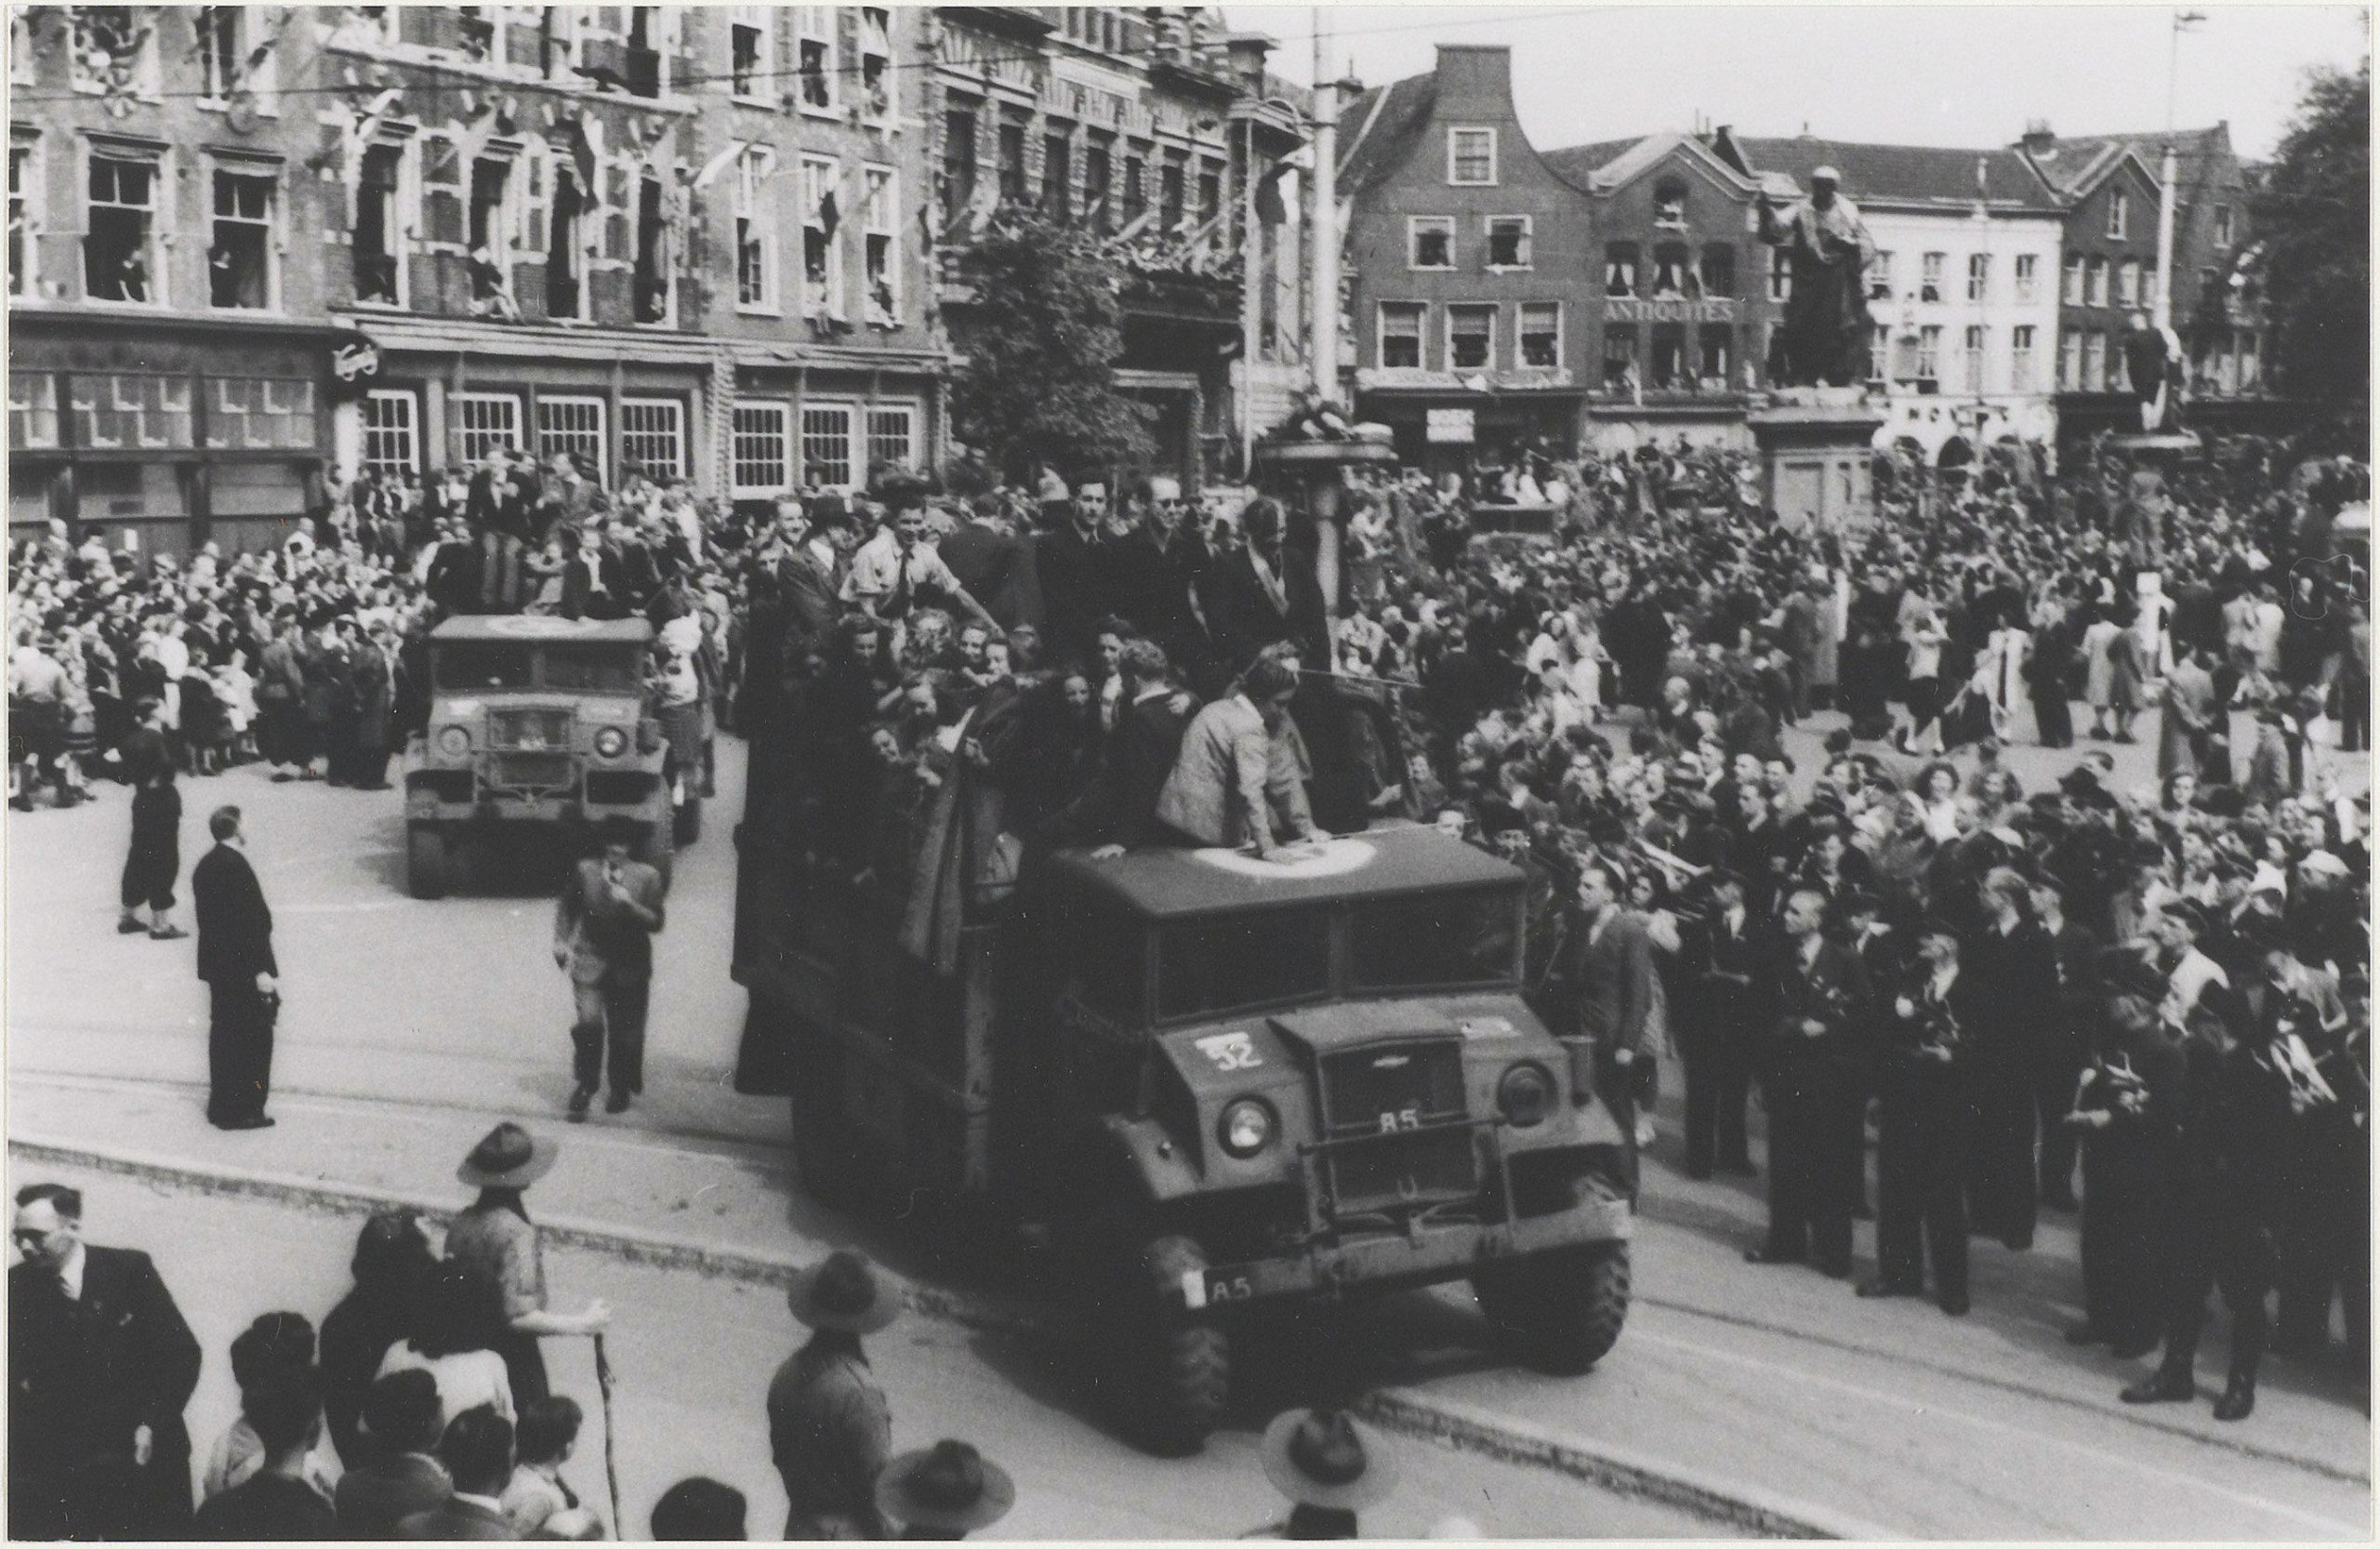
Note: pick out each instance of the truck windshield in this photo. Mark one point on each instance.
(466, 665)
(1457, 938)
(1209, 966)
(591, 667)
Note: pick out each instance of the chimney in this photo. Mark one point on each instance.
(2038, 142)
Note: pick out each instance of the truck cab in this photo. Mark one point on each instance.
(538, 720)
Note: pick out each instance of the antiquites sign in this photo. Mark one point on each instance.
(1670, 308)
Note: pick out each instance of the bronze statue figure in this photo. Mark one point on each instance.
(1825, 337)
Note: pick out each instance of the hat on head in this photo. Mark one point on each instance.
(508, 1156)
(2323, 863)
(841, 1292)
(949, 1486)
(1825, 174)
(2185, 910)
(1323, 1458)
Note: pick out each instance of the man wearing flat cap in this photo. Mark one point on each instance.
(829, 1429)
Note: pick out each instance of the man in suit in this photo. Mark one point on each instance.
(1065, 559)
(1601, 992)
(2014, 966)
(994, 565)
(603, 928)
(1250, 591)
(236, 963)
(1717, 1025)
(1236, 781)
(1817, 998)
(1927, 1123)
(1119, 811)
(476, 1450)
(99, 1367)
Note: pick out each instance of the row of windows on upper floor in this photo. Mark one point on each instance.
(1106, 182)
(414, 197)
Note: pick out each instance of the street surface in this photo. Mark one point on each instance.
(410, 1026)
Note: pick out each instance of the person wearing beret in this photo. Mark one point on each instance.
(942, 1493)
(1329, 1467)
(830, 1430)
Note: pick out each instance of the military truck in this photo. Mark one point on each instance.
(533, 720)
(1210, 1083)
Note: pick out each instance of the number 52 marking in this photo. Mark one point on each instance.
(1230, 1051)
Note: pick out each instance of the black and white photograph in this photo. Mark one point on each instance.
(1497, 771)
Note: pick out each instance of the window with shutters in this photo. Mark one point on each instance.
(573, 424)
(1401, 334)
(815, 58)
(822, 254)
(1542, 334)
(1508, 240)
(653, 435)
(881, 237)
(1429, 241)
(482, 421)
(761, 462)
(119, 235)
(756, 237)
(826, 445)
(391, 440)
(891, 436)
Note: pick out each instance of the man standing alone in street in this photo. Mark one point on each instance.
(236, 962)
(101, 1365)
(603, 929)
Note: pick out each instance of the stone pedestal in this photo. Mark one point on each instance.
(1814, 458)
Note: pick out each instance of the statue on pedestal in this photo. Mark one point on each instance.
(2152, 358)
(1825, 337)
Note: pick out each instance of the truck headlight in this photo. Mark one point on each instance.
(1525, 1095)
(611, 742)
(454, 741)
(1246, 1126)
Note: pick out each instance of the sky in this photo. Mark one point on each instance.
(1909, 73)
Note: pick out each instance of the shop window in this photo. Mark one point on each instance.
(1971, 363)
(2027, 277)
(573, 424)
(239, 262)
(826, 445)
(392, 437)
(2128, 282)
(1470, 157)
(139, 409)
(2095, 282)
(258, 412)
(881, 237)
(32, 409)
(1429, 241)
(1619, 358)
(565, 256)
(117, 240)
(747, 49)
(2020, 359)
(1170, 195)
(21, 239)
(1979, 276)
(1401, 334)
(1012, 162)
(957, 163)
(1542, 334)
(1929, 276)
(876, 62)
(2119, 215)
(1670, 371)
(651, 286)
(1719, 270)
(1620, 268)
(1097, 174)
(482, 421)
(1673, 272)
(1508, 242)
(378, 226)
(758, 461)
(653, 436)
(2071, 292)
(1718, 352)
(1929, 352)
(1136, 189)
(822, 256)
(1781, 274)
(756, 237)
(891, 437)
(814, 56)
(1057, 175)
(1470, 337)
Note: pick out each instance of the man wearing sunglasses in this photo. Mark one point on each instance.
(101, 1365)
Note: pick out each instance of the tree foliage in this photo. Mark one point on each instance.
(2313, 217)
(1041, 341)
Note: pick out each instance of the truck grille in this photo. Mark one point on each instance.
(1381, 1108)
(528, 730)
(531, 771)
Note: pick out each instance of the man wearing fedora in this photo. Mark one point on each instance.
(943, 1492)
(829, 1429)
(1329, 1467)
(610, 910)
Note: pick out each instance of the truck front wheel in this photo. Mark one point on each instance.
(1179, 1365)
(1559, 1311)
(426, 861)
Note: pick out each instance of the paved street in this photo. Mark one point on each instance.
(410, 1024)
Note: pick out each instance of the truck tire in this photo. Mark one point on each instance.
(656, 849)
(1179, 1365)
(1560, 1311)
(687, 827)
(426, 861)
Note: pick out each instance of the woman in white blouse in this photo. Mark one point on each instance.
(459, 1316)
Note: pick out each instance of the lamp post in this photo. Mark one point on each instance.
(2184, 22)
(1323, 300)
